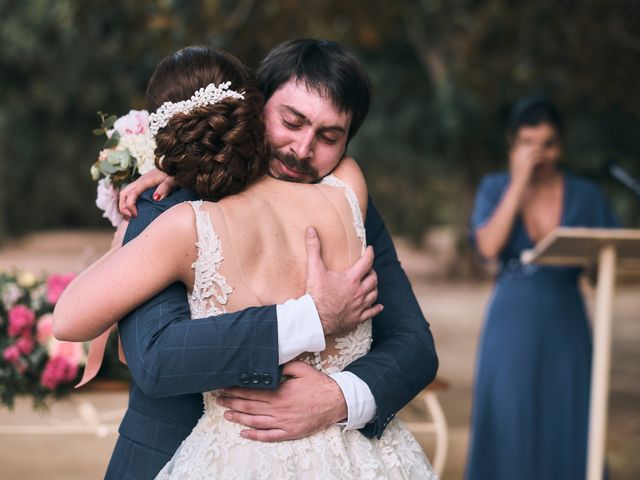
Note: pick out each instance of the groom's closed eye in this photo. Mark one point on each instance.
(291, 125)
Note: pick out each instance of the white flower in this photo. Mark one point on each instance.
(141, 147)
(10, 295)
(107, 200)
(38, 295)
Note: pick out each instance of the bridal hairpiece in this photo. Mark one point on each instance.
(205, 96)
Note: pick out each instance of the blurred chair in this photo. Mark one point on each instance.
(436, 424)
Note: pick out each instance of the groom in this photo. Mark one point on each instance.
(317, 96)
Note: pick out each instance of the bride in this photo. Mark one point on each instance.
(243, 246)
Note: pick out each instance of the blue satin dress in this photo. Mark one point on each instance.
(531, 395)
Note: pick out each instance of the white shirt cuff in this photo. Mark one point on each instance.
(299, 329)
(361, 406)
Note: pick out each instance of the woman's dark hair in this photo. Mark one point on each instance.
(325, 67)
(215, 150)
(534, 110)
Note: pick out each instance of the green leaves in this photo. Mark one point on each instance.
(112, 142)
(119, 158)
(106, 124)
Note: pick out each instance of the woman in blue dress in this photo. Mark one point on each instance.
(531, 396)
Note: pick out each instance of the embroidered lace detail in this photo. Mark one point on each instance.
(355, 344)
(215, 449)
(209, 285)
(358, 223)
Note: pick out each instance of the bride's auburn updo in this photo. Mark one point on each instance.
(215, 150)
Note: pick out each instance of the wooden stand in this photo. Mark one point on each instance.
(611, 249)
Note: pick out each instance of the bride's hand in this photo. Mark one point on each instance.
(129, 195)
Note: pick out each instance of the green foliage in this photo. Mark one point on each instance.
(444, 73)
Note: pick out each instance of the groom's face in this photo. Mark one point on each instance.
(307, 133)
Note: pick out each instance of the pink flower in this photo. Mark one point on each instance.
(73, 352)
(58, 370)
(136, 122)
(11, 354)
(44, 329)
(107, 201)
(21, 318)
(25, 344)
(56, 285)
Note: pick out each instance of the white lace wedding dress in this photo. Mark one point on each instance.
(215, 449)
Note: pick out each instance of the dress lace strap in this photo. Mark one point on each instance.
(358, 222)
(210, 289)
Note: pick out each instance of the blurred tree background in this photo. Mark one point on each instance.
(445, 73)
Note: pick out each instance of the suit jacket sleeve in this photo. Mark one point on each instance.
(170, 354)
(402, 360)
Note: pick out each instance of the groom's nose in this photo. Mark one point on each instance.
(303, 146)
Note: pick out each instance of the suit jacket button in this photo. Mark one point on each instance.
(267, 379)
(244, 378)
(255, 378)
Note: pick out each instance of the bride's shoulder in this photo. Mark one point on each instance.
(350, 173)
(178, 222)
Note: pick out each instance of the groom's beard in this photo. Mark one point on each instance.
(286, 166)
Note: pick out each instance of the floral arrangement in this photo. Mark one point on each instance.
(127, 153)
(32, 361)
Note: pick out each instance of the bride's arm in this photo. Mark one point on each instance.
(126, 277)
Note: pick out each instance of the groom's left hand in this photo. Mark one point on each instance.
(304, 404)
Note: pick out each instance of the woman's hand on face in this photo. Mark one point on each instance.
(522, 161)
(129, 195)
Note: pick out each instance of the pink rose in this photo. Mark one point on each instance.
(73, 352)
(44, 329)
(107, 201)
(58, 370)
(25, 344)
(56, 285)
(136, 122)
(11, 354)
(21, 318)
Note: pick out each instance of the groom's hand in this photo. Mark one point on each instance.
(304, 404)
(343, 299)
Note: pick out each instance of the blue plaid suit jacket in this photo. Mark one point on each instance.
(173, 359)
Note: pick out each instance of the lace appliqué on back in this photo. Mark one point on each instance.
(358, 223)
(210, 289)
(356, 343)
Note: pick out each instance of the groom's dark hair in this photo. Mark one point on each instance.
(324, 66)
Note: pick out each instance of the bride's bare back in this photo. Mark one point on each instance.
(260, 234)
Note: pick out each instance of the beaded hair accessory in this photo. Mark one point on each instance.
(204, 96)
